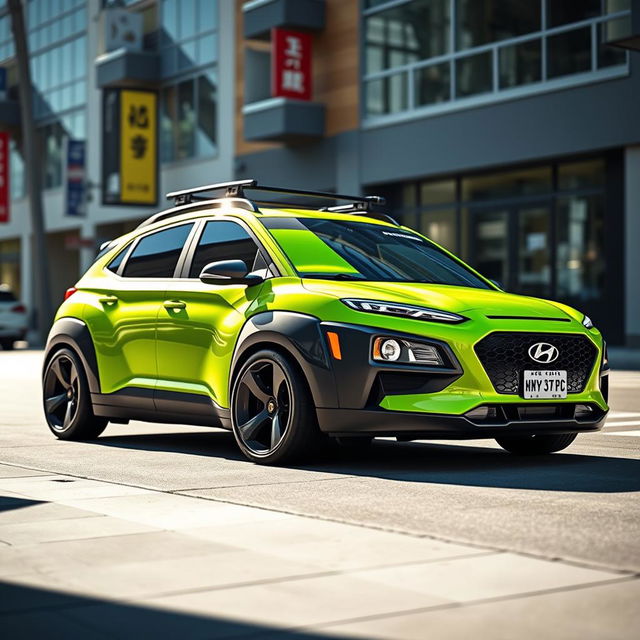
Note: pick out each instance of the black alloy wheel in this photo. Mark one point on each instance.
(67, 404)
(272, 412)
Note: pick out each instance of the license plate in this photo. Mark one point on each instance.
(544, 384)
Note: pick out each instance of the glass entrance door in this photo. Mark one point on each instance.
(512, 245)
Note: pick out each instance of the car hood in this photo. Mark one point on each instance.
(443, 297)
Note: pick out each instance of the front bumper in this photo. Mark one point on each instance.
(433, 426)
(413, 401)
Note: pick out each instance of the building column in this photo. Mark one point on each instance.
(27, 293)
(632, 254)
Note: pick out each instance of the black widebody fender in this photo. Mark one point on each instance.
(300, 336)
(74, 333)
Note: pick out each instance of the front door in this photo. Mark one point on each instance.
(198, 323)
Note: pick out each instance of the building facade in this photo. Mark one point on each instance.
(506, 130)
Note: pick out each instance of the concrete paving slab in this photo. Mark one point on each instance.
(59, 487)
(68, 529)
(167, 511)
(332, 545)
(297, 602)
(487, 576)
(594, 613)
(8, 471)
(25, 510)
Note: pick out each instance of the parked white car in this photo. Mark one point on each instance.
(13, 318)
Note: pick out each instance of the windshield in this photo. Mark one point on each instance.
(345, 250)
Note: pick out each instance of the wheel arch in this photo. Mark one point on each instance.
(74, 334)
(294, 335)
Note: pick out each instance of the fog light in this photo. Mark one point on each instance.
(390, 350)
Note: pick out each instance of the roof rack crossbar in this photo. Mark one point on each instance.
(235, 189)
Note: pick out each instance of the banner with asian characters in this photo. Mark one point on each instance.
(291, 54)
(130, 147)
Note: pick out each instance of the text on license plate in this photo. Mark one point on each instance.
(545, 384)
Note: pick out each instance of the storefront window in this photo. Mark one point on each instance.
(580, 261)
(440, 226)
(507, 184)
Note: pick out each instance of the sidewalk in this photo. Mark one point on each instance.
(83, 558)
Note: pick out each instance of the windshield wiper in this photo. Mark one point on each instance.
(332, 276)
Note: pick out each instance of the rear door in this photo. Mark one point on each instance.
(198, 326)
(122, 316)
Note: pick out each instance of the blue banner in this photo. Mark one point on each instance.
(76, 178)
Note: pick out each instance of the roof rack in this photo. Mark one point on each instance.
(235, 189)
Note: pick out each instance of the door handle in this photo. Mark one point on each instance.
(108, 299)
(174, 304)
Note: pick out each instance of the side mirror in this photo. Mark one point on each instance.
(229, 272)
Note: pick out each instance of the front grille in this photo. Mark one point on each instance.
(504, 357)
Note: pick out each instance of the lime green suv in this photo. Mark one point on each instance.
(294, 326)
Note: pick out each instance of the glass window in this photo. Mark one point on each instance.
(580, 260)
(507, 184)
(433, 84)
(534, 256)
(335, 249)
(440, 226)
(412, 31)
(437, 192)
(116, 262)
(223, 240)
(569, 52)
(561, 12)
(387, 95)
(609, 56)
(520, 64)
(207, 114)
(473, 74)
(167, 120)
(53, 136)
(581, 175)
(186, 124)
(156, 255)
(484, 21)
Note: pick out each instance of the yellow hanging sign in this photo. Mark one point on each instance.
(138, 147)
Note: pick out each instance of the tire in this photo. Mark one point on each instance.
(536, 444)
(7, 344)
(272, 412)
(67, 401)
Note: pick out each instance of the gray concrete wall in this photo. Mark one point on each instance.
(570, 121)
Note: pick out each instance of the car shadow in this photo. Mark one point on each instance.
(435, 463)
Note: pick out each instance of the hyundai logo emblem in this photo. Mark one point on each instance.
(543, 352)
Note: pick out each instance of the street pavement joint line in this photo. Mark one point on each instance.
(430, 536)
(459, 605)
(261, 484)
(296, 577)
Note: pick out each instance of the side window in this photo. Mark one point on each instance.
(222, 240)
(156, 255)
(117, 261)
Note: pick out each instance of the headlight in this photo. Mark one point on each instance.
(406, 352)
(403, 310)
(586, 321)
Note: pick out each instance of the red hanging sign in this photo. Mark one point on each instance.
(4, 177)
(291, 64)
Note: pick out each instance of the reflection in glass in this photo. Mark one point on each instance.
(437, 192)
(491, 250)
(407, 33)
(580, 260)
(569, 52)
(520, 64)
(581, 175)
(186, 124)
(387, 95)
(473, 74)
(507, 184)
(482, 22)
(534, 257)
(207, 105)
(561, 12)
(440, 226)
(167, 119)
(609, 56)
(433, 84)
